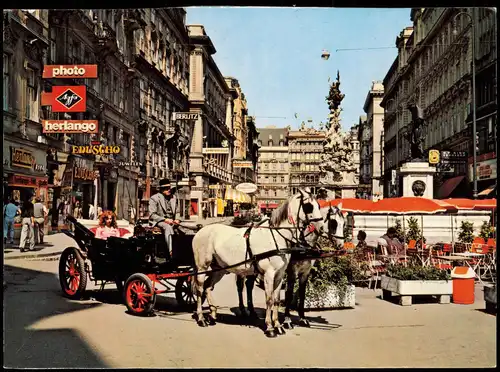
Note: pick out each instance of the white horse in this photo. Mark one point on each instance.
(301, 269)
(222, 248)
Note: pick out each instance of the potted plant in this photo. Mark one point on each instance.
(485, 232)
(331, 284)
(466, 234)
(414, 280)
(414, 232)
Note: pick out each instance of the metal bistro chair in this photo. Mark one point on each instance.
(483, 264)
(375, 266)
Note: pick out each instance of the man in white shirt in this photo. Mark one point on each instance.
(40, 212)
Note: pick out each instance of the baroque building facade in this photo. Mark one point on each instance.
(305, 147)
(245, 135)
(213, 141)
(433, 70)
(25, 49)
(273, 168)
(372, 145)
(159, 63)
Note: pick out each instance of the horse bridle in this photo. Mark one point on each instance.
(327, 220)
(307, 223)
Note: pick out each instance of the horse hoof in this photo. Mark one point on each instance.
(288, 325)
(211, 321)
(280, 331)
(202, 323)
(304, 323)
(270, 333)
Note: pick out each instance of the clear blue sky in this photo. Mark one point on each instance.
(276, 56)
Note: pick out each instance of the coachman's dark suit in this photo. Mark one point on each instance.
(160, 208)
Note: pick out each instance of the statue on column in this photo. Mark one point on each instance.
(415, 136)
(337, 159)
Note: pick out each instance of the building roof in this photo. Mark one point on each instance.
(264, 134)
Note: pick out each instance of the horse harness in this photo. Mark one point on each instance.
(299, 245)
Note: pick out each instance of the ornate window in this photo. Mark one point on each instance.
(31, 96)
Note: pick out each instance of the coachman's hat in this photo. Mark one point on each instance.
(164, 183)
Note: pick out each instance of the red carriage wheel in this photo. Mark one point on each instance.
(140, 296)
(72, 273)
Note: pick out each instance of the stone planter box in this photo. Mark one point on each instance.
(408, 288)
(490, 298)
(331, 300)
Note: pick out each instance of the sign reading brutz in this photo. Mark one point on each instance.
(66, 98)
(70, 71)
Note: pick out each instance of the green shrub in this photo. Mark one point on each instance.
(416, 272)
(466, 234)
(485, 232)
(414, 232)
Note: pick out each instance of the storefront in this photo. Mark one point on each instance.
(24, 173)
(486, 174)
(83, 188)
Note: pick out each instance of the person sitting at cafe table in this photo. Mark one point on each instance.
(393, 244)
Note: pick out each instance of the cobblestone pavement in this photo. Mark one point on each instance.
(43, 329)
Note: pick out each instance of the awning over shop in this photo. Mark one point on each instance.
(487, 191)
(237, 196)
(449, 186)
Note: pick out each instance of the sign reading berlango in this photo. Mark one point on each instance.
(70, 126)
(95, 150)
(185, 116)
(22, 158)
(242, 164)
(216, 150)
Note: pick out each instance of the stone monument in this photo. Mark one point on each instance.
(418, 176)
(338, 170)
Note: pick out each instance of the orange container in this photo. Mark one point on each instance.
(463, 285)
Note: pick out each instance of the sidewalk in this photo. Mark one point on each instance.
(56, 243)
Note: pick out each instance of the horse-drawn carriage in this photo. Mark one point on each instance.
(136, 264)
(142, 262)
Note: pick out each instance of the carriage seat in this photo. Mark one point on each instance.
(124, 233)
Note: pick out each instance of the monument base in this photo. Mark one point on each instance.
(418, 179)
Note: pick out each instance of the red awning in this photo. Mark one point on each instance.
(410, 205)
(348, 204)
(449, 186)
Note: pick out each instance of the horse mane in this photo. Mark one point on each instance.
(279, 214)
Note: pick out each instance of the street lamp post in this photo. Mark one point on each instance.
(397, 142)
(474, 129)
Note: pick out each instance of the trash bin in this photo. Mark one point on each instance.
(463, 285)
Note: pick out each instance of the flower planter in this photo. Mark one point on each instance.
(331, 299)
(408, 288)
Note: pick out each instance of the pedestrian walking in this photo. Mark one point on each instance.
(40, 212)
(77, 211)
(91, 212)
(10, 211)
(27, 228)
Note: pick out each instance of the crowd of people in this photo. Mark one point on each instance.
(33, 217)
